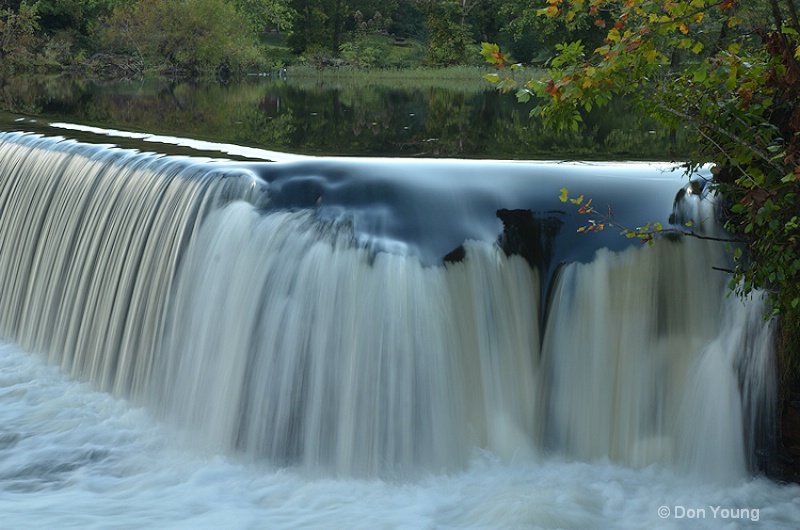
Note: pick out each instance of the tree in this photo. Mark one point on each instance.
(449, 33)
(265, 15)
(730, 70)
(361, 49)
(18, 35)
(184, 39)
(534, 37)
(323, 26)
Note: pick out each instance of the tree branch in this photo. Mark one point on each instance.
(793, 15)
(719, 130)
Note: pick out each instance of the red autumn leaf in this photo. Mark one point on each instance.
(619, 24)
(631, 46)
(499, 60)
(746, 97)
(600, 23)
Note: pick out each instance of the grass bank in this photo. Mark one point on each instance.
(464, 78)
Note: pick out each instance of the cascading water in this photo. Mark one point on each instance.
(372, 320)
(321, 354)
(91, 239)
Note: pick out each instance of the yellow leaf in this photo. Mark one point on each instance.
(564, 195)
(684, 28)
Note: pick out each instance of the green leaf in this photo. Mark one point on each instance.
(700, 75)
(564, 195)
(488, 49)
(492, 78)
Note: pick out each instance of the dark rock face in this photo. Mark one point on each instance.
(788, 468)
(530, 235)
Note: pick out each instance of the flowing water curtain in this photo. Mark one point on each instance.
(647, 361)
(92, 237)
(274, 333)
(289, 341)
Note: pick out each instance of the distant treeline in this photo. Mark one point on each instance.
(191, 38)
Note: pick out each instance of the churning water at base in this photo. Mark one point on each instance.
(366, 344)
(72, 457)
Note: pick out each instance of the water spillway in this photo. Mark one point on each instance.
(385, 319)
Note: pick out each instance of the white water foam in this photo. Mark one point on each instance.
(72, 457)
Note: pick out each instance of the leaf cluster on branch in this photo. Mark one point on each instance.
(727, 69)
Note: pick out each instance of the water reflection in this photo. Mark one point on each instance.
(311, 116)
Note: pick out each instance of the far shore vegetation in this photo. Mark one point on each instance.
(220, 39)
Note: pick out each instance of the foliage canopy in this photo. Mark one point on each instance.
(728, 69)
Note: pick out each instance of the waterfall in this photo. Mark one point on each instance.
(91, 238)
(339, 318)
(644, 355)
(320, 354)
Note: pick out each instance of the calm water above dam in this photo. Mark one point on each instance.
(342, 117)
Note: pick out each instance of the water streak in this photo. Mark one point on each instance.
(276, 327)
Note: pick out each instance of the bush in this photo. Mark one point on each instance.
(18, 37)
(188, 38)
